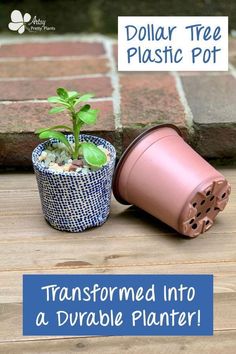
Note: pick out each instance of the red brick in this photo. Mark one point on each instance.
(16, 150)
(26, 117)
(42, 88)
(115, 52)
(19, 120)
(55, 68)
(148, 99)
(54, 49)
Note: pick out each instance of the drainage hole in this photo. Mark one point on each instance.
(223, 195)
(208, 210)
(194, 204)
(212, 198)
(202, 202)
(194, 226)
(198, 214)
(207, 222)
(216, 208)
(208, 193)
(191, 221)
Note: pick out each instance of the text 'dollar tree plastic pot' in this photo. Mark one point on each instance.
(160, 173)
(75, 201)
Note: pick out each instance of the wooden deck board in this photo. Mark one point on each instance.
(221, 342)
(11, 321)
(130, 242)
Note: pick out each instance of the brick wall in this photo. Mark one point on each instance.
(202, 105)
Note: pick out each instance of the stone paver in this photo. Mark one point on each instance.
(212, 100)
(232, 46)
(203, 105)
(232, 60)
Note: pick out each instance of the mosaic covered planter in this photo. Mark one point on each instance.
(74, 201)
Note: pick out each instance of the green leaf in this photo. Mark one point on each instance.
(87, 115)
(85, 108)
(56, 110)
(93, 155)
(65, 127)
(55, 99)
(48, 134)
(85, 97)
(62, 93)
(73, 94)
(75, 102)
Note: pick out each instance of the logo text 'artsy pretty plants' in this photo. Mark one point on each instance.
(20, 23)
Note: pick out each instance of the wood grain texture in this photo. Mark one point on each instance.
(11, 319)
(130, 242)
(222, 342)
(224, 275)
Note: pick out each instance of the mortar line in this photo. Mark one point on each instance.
(114, 81)
(206, 73)
(50, 38)
(52, 58)
(183, 99)
(100, 99)
(74, 77)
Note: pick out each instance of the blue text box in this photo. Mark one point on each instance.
(118, 305)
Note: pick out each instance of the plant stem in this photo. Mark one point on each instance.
(76, 132)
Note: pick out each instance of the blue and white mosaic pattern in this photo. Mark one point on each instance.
(74, 201)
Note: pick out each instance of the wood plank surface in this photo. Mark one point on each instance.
(130, 242)
(223, 342)
(11, 319)
(224, 275)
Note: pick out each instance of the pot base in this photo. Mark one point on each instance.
(201, 210)
(79, 227)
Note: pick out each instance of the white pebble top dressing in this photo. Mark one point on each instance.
(58, 159)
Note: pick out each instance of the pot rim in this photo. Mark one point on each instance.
(126, 153)
(37, 164)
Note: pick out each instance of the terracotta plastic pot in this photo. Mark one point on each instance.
(160, 173)
(75, 201)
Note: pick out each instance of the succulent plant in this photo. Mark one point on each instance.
(80, 114)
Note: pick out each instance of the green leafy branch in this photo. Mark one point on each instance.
(67, 101)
